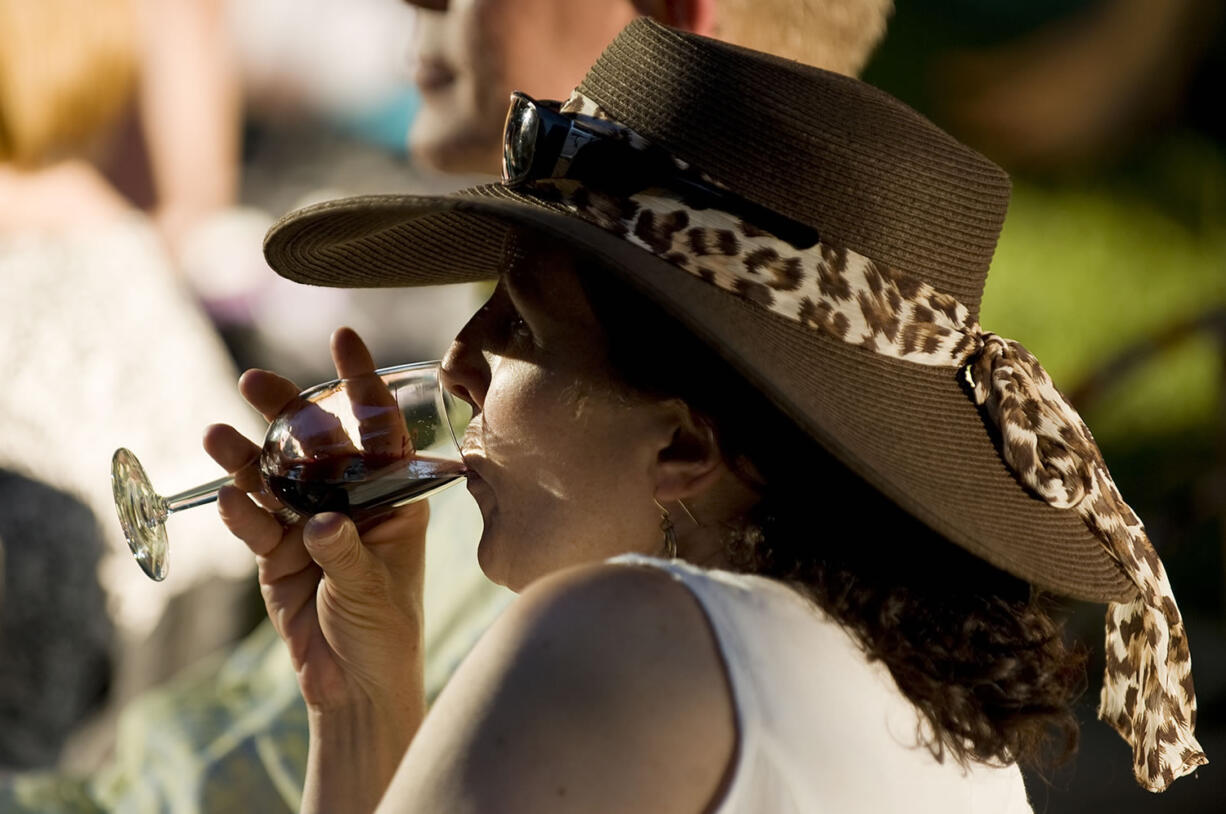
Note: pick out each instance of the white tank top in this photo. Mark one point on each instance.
(821, 729)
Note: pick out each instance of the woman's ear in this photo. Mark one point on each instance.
(691, 462)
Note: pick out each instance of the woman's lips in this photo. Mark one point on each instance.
(473, 462)
(433, 74)
(476, 485)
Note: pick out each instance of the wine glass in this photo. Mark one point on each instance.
(361, 445)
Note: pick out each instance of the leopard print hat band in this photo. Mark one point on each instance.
(1147, 693)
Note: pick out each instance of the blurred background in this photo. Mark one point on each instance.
(1112, 270)
(146, 145)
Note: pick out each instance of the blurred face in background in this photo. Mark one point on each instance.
(473, 53)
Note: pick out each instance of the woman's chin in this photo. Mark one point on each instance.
(501, 566)
(486, 558)
(492, 559)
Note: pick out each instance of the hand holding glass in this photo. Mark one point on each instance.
(361, 445)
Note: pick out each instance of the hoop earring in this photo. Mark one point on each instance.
(670, 533)
(688, 513)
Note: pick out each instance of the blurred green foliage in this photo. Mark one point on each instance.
(1086, 269)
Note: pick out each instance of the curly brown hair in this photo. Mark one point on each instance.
(975, 649)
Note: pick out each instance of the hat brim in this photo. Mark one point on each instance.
(910, 430)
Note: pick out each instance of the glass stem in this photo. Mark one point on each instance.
(202, 494)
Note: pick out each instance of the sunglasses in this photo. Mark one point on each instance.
(541, 142)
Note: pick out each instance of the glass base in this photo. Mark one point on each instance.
(142, 514)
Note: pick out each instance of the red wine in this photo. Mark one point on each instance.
(367, 486)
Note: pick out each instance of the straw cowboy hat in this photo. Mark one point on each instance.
(832, 245)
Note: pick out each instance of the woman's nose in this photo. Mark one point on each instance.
(465, 371)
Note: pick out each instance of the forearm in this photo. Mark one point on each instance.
(353, 755)
(193, 139)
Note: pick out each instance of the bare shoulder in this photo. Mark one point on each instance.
(644, 605)
(601, 689)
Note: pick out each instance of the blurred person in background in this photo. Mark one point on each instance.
(473, 53)
(189, 106)
(327, 99)
(103, 347)
(55, 635)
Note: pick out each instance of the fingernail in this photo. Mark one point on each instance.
(325, 527)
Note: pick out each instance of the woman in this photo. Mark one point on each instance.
(731, 363)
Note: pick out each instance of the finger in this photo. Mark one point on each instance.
(350, 354)
(380, 423)
(241, 458)
(235, 454)
(404, 522)
(332, 541)
(248, 522)
(285, 559)
(290, 598)
(303, 433)
(399, 540)
(301, 629)
(267, 392)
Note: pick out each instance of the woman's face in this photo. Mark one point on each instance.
(565, 462)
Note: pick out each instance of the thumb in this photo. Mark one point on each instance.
(333, 543)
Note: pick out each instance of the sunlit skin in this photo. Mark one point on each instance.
(601, 680)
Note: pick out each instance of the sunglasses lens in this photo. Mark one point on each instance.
(519, 139)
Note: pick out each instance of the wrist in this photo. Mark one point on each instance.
(386, 719)
(354, 751)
